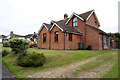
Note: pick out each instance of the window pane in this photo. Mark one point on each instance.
(44, 37)
(75, 21)
(70, 36)
(73, 24)
(56, 36)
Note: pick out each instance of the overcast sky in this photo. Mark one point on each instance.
(26, 16)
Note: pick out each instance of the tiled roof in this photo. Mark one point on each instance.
(70, 29)
(67, 28)
(85, 15)
(28, 36)
(16, 35)
(47, 25)
(98, 30)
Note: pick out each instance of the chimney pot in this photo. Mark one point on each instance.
(65, 16)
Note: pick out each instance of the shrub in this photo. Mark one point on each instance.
(89, 47)
(31, 60)
(6, 44)
(5, 52)
(18, 45)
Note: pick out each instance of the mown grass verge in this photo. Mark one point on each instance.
(103, 59)
(113, 73)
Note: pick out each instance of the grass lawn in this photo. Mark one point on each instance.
(54, 58)
(113, 73)
(99, 61)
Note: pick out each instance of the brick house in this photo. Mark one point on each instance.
(76, 32)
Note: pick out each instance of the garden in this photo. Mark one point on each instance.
(20, 60)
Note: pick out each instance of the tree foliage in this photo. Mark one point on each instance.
(116, 37)
(18, 45)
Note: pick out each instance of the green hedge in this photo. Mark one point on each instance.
(5, 52)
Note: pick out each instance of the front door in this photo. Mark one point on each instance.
(105, 40)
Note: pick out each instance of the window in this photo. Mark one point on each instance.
(70, 36)
(95, 22)
(75, 21)
(44, 37)
(56, 36)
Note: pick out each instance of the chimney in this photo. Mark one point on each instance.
(11, 34)
(65, 16)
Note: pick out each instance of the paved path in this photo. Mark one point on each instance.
(6, 73)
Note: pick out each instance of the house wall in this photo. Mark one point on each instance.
(72, 44)
(80, 27)
(109, 42)
(60, 43)
(100, 41)
(40, 42)
(92, 21)
(92, 38)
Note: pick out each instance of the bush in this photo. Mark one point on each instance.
(6, 44)
(18, 45)
(89, 47)
(5, 52)
(31, 60)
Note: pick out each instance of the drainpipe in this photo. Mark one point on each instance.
(49, 39)
(102, 43)
(64, 40)
(85, 33)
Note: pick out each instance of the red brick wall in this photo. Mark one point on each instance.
(72, 44)
(92, 38)
(92, 20)
(60, 43)
(80, 27)
(40, 39)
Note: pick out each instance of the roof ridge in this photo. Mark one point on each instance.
(86, 12)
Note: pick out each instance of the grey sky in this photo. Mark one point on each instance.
(26, 16)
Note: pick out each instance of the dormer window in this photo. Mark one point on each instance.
(75, 21)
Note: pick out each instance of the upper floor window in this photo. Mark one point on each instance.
(70, 36)
(56, 36)
(44, 37)
(95, 22)
(75, 21)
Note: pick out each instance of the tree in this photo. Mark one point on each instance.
(116, 37)
(18, 45)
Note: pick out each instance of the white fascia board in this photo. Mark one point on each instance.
(57, 26)
(97, 19)
(72, 16)
(42, 27)
(90, 15)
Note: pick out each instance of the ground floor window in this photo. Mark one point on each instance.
(44, 37)
(56, 36)
(70, 36)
